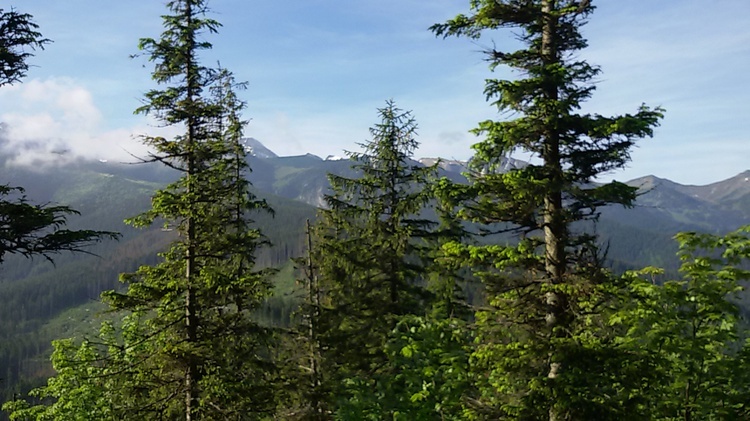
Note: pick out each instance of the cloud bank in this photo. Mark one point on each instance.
(56, 121)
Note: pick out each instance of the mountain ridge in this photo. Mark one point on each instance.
(108, 192)
(458, 166)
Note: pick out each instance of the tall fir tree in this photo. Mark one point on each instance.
(189, 347)
(545, 289)
(207, 286)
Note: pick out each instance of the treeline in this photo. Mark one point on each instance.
(386, 329)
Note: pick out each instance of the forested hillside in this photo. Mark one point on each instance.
(41, 297)
(37, 291)
(214, 280)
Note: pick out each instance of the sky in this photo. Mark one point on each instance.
(318, 70)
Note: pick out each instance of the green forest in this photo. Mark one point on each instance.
(409, 295)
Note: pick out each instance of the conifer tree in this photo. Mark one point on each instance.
(188, 348)
(545, 289)
(203, 292)
(368, 250)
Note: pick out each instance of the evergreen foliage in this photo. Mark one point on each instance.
(28, 229)
(189, 348)
(18, 35)
(208, 350)
(546, 289)
(384, 332)
(369, 251)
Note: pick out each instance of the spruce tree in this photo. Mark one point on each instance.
(188, 347)
(204, 343)
(546, 288)
(369, 250)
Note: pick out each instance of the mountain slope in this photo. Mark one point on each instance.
(636, 237)
(717, 207)
(35, 292)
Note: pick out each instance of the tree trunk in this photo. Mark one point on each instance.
(314, 298)
(192, 376)
(554, 223)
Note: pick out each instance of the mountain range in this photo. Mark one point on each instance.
(637, 236)
(662, 205)
(42, 302)
(662, 209)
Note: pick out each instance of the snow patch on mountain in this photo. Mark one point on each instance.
(253, 147)
(456, 166)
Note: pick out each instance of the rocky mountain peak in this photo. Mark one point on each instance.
(449, 165)
(254, 148)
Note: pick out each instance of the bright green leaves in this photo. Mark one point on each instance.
(692, 330)
(499, 257)
(637, 125)
(85, 386)
(425, 375)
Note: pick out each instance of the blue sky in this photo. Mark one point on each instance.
(318, 69)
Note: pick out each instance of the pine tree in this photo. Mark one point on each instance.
(546, 289)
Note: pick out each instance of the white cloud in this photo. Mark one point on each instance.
(56, 121)
(317, 76)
